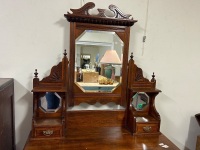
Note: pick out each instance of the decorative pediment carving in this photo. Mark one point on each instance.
(139, 74)
(118, 13)
(82, 15)
(136, 79)
(55, 75)
(84, 10)
(56, 81)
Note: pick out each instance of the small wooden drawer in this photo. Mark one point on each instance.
(147, 128)
(45, 132)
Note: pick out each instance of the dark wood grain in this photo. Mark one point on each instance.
(7, 125)
(94, 118)
(50, 124)
(137, 83)
(115, 129)
(82, 15)
(103, 138)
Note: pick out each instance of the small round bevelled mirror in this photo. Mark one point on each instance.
(140, 100)
(50, 102)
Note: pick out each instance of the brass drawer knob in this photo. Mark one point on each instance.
(147, 129)
(48, 132)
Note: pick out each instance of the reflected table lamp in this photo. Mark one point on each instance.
(110, 57)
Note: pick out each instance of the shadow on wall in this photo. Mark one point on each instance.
(66, 28)
(194, 131)
(167, 107)
(23, 114)
(135, 32)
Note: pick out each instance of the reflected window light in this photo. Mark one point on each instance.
(146, 120)
(144, 146)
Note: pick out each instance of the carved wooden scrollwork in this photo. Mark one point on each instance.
(118, 13)
(82, 15)
(55, 75)
(139, 75)
(56, 79)
(84, 9)
(136, 79)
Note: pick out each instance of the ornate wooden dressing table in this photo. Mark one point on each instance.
(133, 125)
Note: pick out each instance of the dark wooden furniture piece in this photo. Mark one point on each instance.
(7, 129)
(80, 21)
(108, 138)
(119, 128)
(142, 116)
(50, 123)
(197, 116)
(198, 143)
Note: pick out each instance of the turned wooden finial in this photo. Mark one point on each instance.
(65, 53)
(153, 78)
(36, 73)
(131, 55)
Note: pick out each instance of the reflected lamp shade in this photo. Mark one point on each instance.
(110, 57)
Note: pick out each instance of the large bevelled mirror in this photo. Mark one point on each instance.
(98, 61)
(99, 46)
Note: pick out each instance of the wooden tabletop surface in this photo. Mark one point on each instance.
(106, 138)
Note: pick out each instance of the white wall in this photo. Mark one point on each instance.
(34, 33)
(172, 51)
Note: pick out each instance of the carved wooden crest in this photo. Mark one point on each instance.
(57, 80)
(136, 79)
(82, 15)
(55, 75)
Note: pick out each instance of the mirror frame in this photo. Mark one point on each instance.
(80, 20)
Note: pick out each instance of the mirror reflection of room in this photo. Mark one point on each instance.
(85, 61)
(51, 101)
(98, 61)
(140, 100)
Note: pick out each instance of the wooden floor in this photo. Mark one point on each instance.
(106, 138)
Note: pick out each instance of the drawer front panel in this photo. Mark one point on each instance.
(147, 128)
(48, 132)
